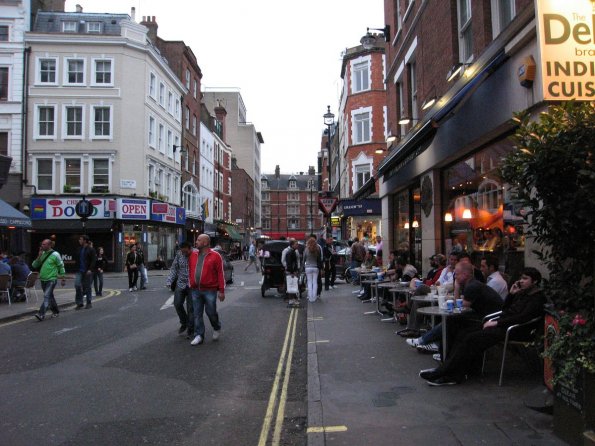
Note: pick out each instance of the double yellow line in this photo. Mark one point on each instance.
(283, 370)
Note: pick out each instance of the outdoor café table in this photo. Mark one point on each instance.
(363, 274)
(373, 295)
(445, 314)
(389, 285)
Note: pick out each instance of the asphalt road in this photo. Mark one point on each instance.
(119, 374)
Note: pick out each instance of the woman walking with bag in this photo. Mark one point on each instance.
(312, 264)
(98, 273)
(133, 260)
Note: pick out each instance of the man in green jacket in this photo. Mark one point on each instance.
(51, 266)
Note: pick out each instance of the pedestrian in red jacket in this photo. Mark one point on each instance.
(207, 282)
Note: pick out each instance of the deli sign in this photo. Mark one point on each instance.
(567, 45)
(133, 209)
(167, 213)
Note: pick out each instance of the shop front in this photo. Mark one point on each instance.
(360, 218)
(115, 224)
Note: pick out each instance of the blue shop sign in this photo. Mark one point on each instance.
(368, 206)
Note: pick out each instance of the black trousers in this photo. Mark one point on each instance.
(330, 274)
(132, 277)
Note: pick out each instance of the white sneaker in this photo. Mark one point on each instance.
(413, 342)
(216, 334)
(129, 289)
(197, 340)
(430, 348)
(437, 357)
(134, 288)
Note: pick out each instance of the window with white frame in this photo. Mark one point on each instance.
(152, 85)
(465, 31)
(503, 11)
(190, 193)
(187, 119)
(160, 136)
(361, 128)
(168, 186)
(100, 172)
(175, 195)
(93, 27)
(69, 26)
(72, 174)
(103, 72)
(151, 131)
(46, 121)
(177, 110)
(264, 184)
(47, 71)
(293, 223)
(102, 121)
(170, 149)
(73, 121)
(187, 79)
(266, 223)
(361, 76)
(45, 175)
(151, 177)
(412, 97)
(195, 91)
(159, 180)
(4, 83)
(229, 186)
(194, 124)
(75, 72)
(293, 196)
(170, 102)
(293, 209)
(362, 174)
(401, 107)
(4, 33)
(292, 184)
(398, 17)
(162, 94)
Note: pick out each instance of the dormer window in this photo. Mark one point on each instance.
(264, 184)
(292, 184)
(93, 27)
(69, 27)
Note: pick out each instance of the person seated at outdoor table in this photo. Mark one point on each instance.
(477, 274)
(405, 271)
(524, 303)
(369, 261)
(448, 272)
(477, 296)
(489, 267)
(20, 272)
(159, 263)
(5, 268)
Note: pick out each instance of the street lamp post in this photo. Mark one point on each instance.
(329, 120)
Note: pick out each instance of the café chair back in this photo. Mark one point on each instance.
(5, 286)
(525, 343)
(30, 285)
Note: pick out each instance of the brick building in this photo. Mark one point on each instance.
(242, 206)
(452, 87)
(183, 63)
(290, 204)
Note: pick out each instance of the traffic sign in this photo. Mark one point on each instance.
(327, 204)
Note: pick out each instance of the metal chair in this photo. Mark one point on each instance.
(5, 285)
(29, 285)
(525, 343)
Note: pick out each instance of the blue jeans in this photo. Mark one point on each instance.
(204, 301)
(141, 274)
(433, 335)
(354, 274)
(82, 285)
(48, 297)
(98, 283)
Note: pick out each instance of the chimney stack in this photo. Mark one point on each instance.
(311, 170)
(151, 24)
(221, 114)
(79, 9)
(133, 14)
(277, 171)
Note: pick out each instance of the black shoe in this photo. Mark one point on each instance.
(443, 381)
(79, 306)
(98, 294)
(182, 329)
(88, 306)
(429, 374)
(143, 288)
(55, 314)
(40, 317)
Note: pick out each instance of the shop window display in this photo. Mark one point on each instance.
(478, 217)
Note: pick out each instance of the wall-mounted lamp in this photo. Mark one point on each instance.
(406, 225)
(429, 102)
(369, 39)
(379, 150)
(455, 71)
(415, 224)
(448, 217)
(391, 138)
(407, 120)
(467, 214)
(182, 149)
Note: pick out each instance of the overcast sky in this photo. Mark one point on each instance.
(285, 57)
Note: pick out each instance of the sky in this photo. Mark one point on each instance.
(284, 57)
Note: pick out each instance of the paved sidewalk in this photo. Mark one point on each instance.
(64, 295)
(364, 389)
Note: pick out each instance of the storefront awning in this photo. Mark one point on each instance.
(231, 231)
(287, 234)
(9, 216)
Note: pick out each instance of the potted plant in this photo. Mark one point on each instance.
(100, 190)
(552, 176)
(67, 188)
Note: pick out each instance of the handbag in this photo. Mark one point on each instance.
(173, 284)
(292, 285)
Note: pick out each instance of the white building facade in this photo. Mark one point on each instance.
(207, 175)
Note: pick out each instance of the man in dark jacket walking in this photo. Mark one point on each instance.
(84, 275)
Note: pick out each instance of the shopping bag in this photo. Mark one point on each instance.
(292, 285)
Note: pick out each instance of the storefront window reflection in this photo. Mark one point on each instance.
(477, 217)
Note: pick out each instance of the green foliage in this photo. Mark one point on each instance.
(552, 175)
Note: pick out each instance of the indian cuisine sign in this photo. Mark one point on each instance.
(567, 46)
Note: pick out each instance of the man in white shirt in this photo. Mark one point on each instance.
(489, 268)
(448, 274)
